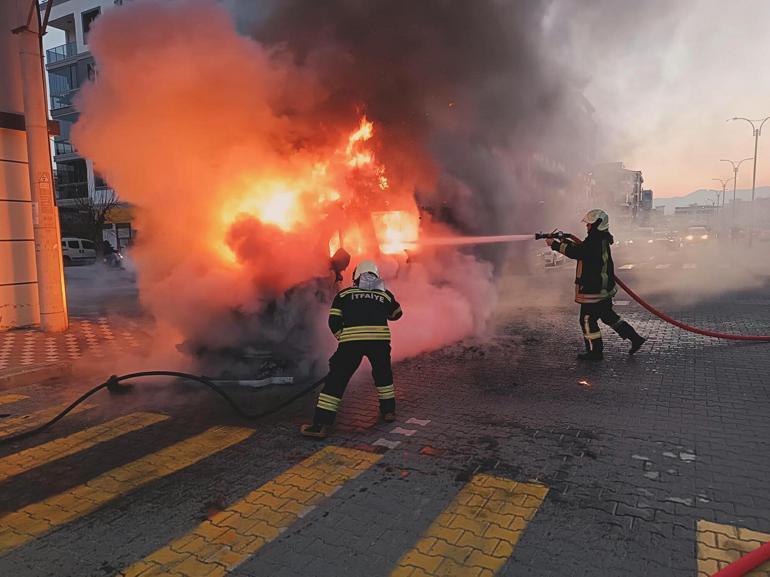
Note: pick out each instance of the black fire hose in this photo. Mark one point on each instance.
(113, 385)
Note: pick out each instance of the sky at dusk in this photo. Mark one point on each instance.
(664, 76)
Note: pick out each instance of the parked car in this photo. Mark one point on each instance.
(78, 251)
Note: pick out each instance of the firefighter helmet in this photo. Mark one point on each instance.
(599, 217)
(365, 266)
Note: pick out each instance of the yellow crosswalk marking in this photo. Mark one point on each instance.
(223, 542)
(719, 545)
(39, 518)
(8, 399)
(15, 425)
(28, 459)
(476, 534)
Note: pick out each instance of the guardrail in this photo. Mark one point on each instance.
(62, 52)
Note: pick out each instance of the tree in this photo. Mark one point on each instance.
(94, 210)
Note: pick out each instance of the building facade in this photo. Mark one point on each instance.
(618, 189)
(78, 184)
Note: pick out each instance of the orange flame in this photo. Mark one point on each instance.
(298, 203)
(356, 156)
(396, 230)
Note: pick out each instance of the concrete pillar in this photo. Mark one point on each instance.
(45, 217)
(18, 277)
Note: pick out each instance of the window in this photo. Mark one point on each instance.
(71, 179)
(88, 19)
(88, 244)
(63, 80)
(73, 244)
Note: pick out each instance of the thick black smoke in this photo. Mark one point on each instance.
(468, 88)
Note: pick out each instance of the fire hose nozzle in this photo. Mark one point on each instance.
(557, 234)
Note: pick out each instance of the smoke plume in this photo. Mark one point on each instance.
(244, 153)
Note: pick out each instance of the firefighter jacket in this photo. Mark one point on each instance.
(362, 315)
(595, 275)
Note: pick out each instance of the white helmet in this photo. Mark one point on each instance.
(365, 266)
(597, 214)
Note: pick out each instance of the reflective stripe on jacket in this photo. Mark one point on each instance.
(362, 315)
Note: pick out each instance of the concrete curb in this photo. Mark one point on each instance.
(32, 374)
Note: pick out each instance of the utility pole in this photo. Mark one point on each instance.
(757, 134)
(45, 216)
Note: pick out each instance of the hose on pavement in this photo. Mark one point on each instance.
(113, 384)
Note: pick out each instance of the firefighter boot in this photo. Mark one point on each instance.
(315, 431)
(594, 350)
(626, 331)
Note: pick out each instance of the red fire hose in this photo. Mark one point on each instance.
(746, 563)
(685, 327)
(668, 319)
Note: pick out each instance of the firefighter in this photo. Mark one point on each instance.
(595, 285)
(358, 318)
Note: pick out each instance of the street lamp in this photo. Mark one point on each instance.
(723, 182)
(757, 134)
(736, 165)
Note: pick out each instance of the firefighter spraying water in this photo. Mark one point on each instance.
(595, 284)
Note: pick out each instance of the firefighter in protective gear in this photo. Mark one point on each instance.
(595, 285)
(358, 318)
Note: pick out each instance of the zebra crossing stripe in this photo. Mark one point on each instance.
(221, 543)
(15, 425)
(39, 518)
(477, 532)
(9, 399)
(28, 459)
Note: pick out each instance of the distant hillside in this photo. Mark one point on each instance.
(704, 196)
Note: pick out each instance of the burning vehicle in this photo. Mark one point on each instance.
(294, 144)
(354, 231)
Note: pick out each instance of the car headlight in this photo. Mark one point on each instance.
(704, 236)
(650, 241)
(689, 237)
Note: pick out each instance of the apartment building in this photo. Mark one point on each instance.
(69, 66)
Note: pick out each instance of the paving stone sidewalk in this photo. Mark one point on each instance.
(509, 458)
(100, 337)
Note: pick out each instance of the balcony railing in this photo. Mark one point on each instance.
(73, 190)
(62, 100)
(62, 52)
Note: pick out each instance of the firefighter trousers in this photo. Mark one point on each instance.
(342, 366)
(591, 314)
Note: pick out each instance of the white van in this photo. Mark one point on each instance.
(78, 251)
